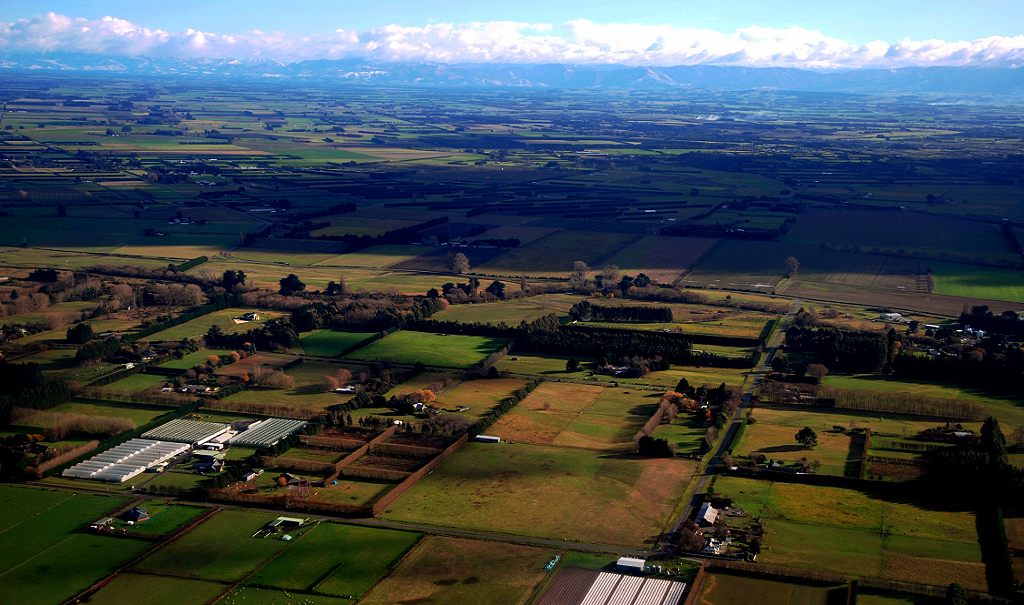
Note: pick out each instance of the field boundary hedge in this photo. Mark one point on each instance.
(389, 497)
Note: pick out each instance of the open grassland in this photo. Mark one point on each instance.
(158, 590)
(46, 559)
(549, 492)
(430, 349)
(739, 265)
(721, 588)
(510, 312)
(331, 343)
(823, 419)
(376, 257)
(573, 415)
(336, 560)
(663, 259)
(137, 383)
(553, 255)
(450, 571)
(554, 367)
(308, 393)
(479, 395)
(191, 360)
(835, 451)
(1009, 412)
(139, 415)
(221, 548)
(849, 532)
(227, 320)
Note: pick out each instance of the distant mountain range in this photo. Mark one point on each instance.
(946, 80)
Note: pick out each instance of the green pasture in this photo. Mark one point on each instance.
(336, 559)
(331, 343)
(430, 349)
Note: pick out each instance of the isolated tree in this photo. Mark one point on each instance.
(497, 289)
(956, 595)
(80, 334)
(572, 365)
(232, 278)
(458, 263)
(578, 277)
(792, 266)
(609, 275)
(817, 370)
(291, 285)
(807, 437)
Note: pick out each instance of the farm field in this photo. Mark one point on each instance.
(848, 532)
(46, 559)
(159, 590)
(553, 255)
(450, 571)
(548, 492)
(431, 349)
(510, 312)
(1009, 412)
(139, 415)
(136, 383)
(191, 360)
(479, 395)
(331, 343)
(553, 367)
(993, 283)
(721, 588)
(308, 392)
(336, 560)
(226, 538)
(663, 259)
(226, 319)
(573, 415)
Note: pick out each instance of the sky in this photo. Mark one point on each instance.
(758, 33)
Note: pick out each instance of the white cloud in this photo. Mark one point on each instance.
(578, 41)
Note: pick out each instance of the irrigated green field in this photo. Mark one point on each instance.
(158, 590)
(46, 558)
(331, 343)
(333, 559)
(221, 548)
(431, 349)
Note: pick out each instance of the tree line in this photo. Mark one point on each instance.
(587, 311)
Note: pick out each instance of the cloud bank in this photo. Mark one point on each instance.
(580, 42)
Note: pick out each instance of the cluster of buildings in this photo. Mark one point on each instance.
(205, 441)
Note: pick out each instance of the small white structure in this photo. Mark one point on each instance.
(487, 439)
(630, 564)
(892, 317)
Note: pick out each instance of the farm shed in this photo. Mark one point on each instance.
(707, 515)
(487, 439)
(630, 564)
(267, 433)
(193, 432)
(121, 463)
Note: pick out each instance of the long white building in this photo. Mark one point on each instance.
(122, 462)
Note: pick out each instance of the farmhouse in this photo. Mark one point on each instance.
(284, 523)
(707, 515)
(136, 515)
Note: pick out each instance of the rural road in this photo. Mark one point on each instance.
(753, 380)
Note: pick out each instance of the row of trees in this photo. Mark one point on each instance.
(587, 311)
